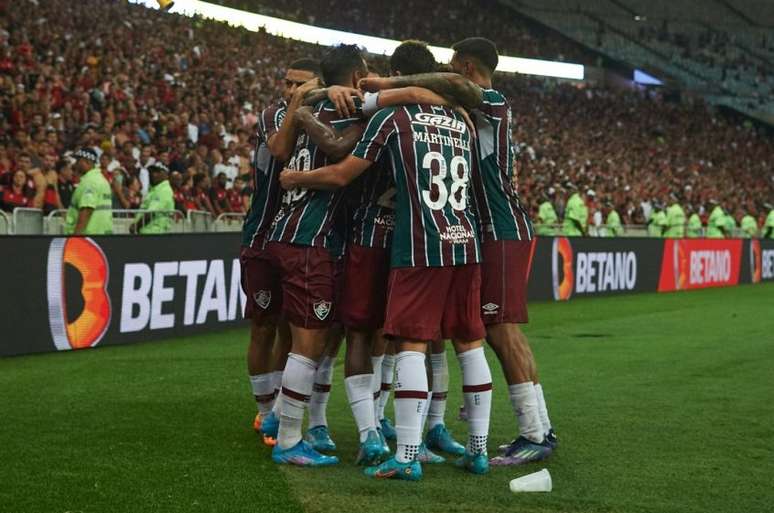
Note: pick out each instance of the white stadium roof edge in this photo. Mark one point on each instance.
(376, 45)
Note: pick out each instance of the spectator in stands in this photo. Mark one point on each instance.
(15, 195)
(65, 185)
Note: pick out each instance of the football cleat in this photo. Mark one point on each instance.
(474, 463)
(371, 451)
(257, 422)
(320, 439)
(303, 455)
(425, 455)
(388, 430)
(385, 447)
(522, 451)
(392, 469)
(440, 439)
(270, 425)
(552, 439)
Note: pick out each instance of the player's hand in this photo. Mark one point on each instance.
(288, 179)
(300, 92)
(342, 98)
(462, 112)
(372, 85)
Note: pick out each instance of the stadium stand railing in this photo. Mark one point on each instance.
(27, 221)
(199, 221)
(229, 222)
(5, 224)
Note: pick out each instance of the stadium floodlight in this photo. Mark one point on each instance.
(329, 37)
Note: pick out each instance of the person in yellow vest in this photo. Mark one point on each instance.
(675, 220)
(159, 203)
(716, 223)
(613, 226)
(768, 227)
(658, 220)
(547, 218)
(576, 216)
(91, 207)
(749, 227)
(694, 228)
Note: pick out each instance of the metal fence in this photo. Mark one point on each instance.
(31, 221)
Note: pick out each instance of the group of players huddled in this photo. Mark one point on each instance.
(384, 211)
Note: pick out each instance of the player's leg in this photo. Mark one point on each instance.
(425, 455)
(413, 316)
(318, 434)
(307, 302)
(504, 287)
(438, 437)
(388, 374)
(282, 344)
(264, 300)
(462, 323)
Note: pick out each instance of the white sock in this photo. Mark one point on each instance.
(388, 370)
(440, 389)
(376, 386)
(296, 389)
(321, 391)
(277, 379)
(477, 391)
(410, 399)
(542, 409)
(263, 391)
(425, 411)
(525, 406)
(361, 401)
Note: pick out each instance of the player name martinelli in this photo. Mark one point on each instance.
(445, 140)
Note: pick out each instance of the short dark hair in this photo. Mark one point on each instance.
(412, 57)
(306, 65)
(480, 49)
(339, 62)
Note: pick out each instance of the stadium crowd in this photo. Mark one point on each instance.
(139, 86)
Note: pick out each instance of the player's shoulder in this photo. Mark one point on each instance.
(274, 110)
(493, 97)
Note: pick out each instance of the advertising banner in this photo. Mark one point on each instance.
(80, 292)
(74, 293)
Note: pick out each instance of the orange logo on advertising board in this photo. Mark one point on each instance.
(71, 329)
(561, 269)
(755, 261)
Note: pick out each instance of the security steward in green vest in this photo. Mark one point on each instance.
(547, 218)
(91, 207)
(159, 203)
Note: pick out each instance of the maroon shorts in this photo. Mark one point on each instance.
(435, 303)
(365, 288)
(260, 282)
(504, 274)
(306, 278)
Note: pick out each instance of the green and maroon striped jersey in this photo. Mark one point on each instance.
(500, 212)
(429, 149)
(307, 217)
(266, 169)
(372, 202)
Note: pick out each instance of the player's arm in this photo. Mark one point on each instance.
(342, 97)
(452, 86)
(282, 143)
(84, 215)
(336, 145)
(326, 178)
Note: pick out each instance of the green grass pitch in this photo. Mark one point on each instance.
(663, 403)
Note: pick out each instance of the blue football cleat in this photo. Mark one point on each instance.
(320, 439)
(440, 439)
(522, 451)
(385, 446)
(425, 455)
(371, 451)
(474, 463)
(392, 469)
(270, 425)
(388, 430)
(303, 455)
(552, 439)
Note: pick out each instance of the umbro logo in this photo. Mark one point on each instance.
(490, 309)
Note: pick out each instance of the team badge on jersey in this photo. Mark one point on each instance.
(490, 308)
(322, 308)
(262, 298)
